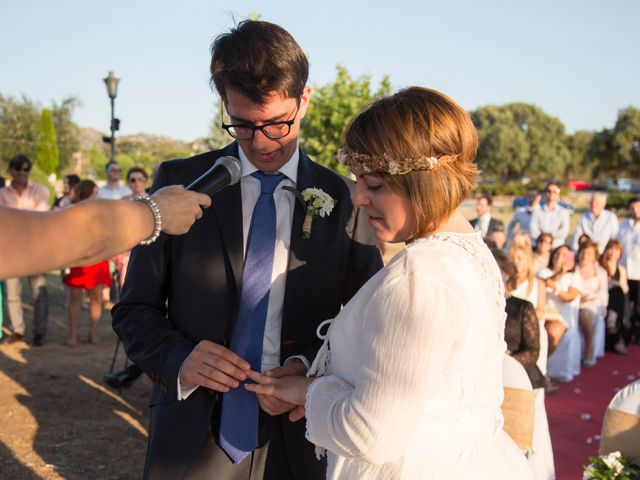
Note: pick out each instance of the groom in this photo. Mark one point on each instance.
(243, 289)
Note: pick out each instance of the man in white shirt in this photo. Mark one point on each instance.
(24, 194)
(484, 223)
(551, 217)
(599, 224)
(629, 236)
(113, 189)
(181, 302)
(522, 215)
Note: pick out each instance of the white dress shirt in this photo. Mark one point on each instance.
(113, 193)
(482, 225)
(629, 235)
(556, 222)
(285, 203)
(600, 230)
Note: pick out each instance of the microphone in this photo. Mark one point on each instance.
(225, 172)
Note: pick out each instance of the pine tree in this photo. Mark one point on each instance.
(47, 155)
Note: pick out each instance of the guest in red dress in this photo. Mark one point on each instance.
(91, 278)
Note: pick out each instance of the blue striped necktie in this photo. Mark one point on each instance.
(240, 408)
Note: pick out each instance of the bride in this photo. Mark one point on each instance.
(408, 384)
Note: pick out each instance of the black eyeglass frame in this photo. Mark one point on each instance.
(288, 123)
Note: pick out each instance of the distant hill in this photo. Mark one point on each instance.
(91, 138)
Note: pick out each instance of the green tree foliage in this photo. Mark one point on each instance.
(520, 138)
(19, 120)
(20, 128)
(580, 164)
(217, 137)
(330, 109)
(626, 141)
(47, 154)
(97, 160)
(67, 132)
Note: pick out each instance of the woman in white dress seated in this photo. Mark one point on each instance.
(564, 297)
(408, 384)
(593, 283)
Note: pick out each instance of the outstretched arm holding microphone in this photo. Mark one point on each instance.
(33, 242)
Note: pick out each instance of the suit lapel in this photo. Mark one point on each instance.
(225, 204)
(305, 180)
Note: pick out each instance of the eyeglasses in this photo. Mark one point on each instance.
(117, 170)
(137, 179)
(23, 169)
(273, 130)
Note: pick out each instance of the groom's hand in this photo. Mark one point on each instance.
(213, 366)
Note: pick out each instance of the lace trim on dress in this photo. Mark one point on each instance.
(485, 264)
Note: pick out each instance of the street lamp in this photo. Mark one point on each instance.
(112, 90)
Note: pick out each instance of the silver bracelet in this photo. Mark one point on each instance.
(157, 217)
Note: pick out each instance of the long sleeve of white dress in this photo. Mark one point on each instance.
(409, 325)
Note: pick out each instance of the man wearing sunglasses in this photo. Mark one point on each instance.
(202, 423)
(24, 194)
(551, 218)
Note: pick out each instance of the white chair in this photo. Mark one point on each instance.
(518, 404)
(621, 424)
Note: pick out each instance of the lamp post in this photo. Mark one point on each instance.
(111, 81)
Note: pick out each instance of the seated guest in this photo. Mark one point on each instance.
(521, 332)
(542, 251)
(557, 279)
(561, 320)
(629, 235)
(521, 239)
(593, 284)
(498, 237)
(617, 319)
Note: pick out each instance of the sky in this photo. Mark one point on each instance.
(576, 59)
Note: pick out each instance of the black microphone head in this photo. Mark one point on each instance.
(232, 164)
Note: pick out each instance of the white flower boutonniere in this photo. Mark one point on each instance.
(316, 203)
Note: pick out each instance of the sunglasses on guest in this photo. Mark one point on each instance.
(21, 169)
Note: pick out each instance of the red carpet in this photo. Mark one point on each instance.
(575, 412)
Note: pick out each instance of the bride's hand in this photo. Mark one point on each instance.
(292, 389)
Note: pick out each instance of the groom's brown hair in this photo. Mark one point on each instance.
(257, 58)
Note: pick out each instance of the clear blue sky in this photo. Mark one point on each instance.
(578, 60)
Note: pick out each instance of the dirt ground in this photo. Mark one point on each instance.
(59, 419)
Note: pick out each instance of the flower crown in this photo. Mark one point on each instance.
(386, 163)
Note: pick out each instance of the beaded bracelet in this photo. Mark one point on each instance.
(157, 217)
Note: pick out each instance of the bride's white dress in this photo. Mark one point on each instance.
(412, 383)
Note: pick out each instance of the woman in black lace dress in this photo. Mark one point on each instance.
(521, 331)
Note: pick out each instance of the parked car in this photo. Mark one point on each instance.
(578, 185)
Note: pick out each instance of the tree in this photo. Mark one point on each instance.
(330, 109)
(67, 132)
(20, 128)
(217, 137)
(520, 138)
(626, 141)
(580, 164)
(47, 154)
(19, 121)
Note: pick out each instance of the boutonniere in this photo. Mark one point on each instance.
(316, 203)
